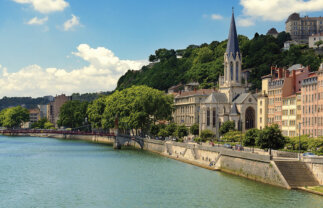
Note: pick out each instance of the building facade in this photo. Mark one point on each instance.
(232, 101)
(289, 108)
(53, 108)
(315, 38)
(301, 28)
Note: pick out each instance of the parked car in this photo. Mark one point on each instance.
(227, 146)
(238, 147)
(309, 154)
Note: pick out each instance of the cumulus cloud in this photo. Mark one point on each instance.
(37, 21)
(101, 74)
(216, 17)
(71, 23)
(45, 6)
(276, 10)
(245, 22)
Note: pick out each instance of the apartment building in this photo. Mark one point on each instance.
(187, 106)
(262, 103)
(301, 28)
(53, 108)
(289, 109)
(312, 104)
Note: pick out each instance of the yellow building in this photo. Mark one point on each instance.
(289, 116)
(262, 102)
(298, 111)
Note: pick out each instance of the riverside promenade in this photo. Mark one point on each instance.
(280, 171)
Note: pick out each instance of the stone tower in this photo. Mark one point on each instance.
(230, 83)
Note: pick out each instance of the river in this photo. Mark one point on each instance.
(44, 172)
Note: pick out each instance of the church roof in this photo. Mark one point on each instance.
(234, 110)
(233, 43)
(216, 97)
(241, 98)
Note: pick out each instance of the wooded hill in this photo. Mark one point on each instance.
(204, 63)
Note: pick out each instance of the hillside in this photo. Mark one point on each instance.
(204, 63)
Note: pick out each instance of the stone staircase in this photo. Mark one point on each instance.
(296, 173)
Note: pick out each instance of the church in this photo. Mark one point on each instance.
(232, 101)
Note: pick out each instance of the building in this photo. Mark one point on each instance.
(312, 104)
(53, 108)
(315, 38)
(289, 108)
(273, 32)
(288, 44)
(34, 115)
(43, 111)
(232, 101)
(301, 28)
(262, 104)
(282, 83)
(187, 106)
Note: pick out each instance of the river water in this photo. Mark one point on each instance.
(43, 172)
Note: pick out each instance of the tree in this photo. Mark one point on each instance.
(206, 134)
(137, 108)
(271, 137)
(171, 128)
(194, 129)
(181, 131)
(232, 136)
(163, 133)
(39, 124)
(49, 125)
(95, 111)
(154, 129)
(73, 114)
(318, 43)
(226, 127)
(250, 137)
(14, 116)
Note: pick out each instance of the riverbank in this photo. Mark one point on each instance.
(258, 167)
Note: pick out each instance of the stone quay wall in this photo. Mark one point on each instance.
(315, 164)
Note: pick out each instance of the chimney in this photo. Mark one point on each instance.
(280, 73)
(294, 80)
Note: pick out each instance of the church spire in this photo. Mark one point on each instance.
(233, 43)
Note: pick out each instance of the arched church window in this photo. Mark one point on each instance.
(237, 71)
(214, 118)
(231, 70)
(208, 117)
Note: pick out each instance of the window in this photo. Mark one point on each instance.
(208, 117)
(231, 70)
(237, 71)
(214, 118)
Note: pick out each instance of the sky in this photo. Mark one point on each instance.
(49, 47)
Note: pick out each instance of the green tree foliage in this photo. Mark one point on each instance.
(95, 111)
(49, 125)
(204, 63)
(181, 131)
(271, 137)
(207, 134)
(88, 96)
(233, 136)
(27, 102)
(137, 108)
(226, 127)
(72, 114)
(171, 128)
(250, 137)
(13, 117)
(319, 43)
(194, 129)
(40, 124)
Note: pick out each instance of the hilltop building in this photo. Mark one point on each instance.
(315, 38)
(273, 32)
(301, 28)
(232, 101)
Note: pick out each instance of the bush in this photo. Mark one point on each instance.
(250, 137)
(163, 133)
(194, 129)
(171, 128)
(207, 134)
(226, 127)
(233, 136)
(198, 139)
(154, 129)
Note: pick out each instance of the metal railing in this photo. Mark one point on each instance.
(47, 131)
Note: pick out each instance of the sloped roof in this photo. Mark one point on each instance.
(195, 92)
(233, 43)
(216, 97)
(294, 16)
(241, 98)
(234, 110)
(272, 31)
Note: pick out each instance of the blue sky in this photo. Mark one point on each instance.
(127, 31)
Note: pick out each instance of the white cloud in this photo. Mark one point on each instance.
(245, 22)
(45, 6)
(216, 17)
(37, 21)
(277, 10)
(101, 74)
(71, 23)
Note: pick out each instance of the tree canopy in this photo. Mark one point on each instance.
(271, 137)
(13, 117)
(73, 114)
